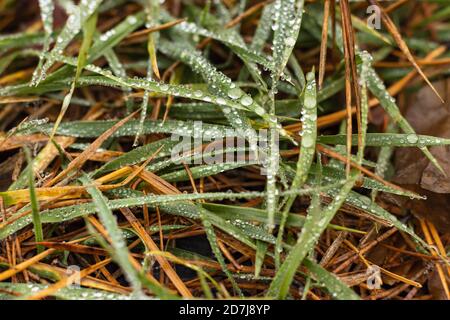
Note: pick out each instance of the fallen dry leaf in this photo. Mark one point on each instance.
(414, 171)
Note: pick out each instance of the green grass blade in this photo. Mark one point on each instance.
(287, 22)
(88, 33)
(378, 89)
(337, 289)
(120, 253)
(316, 221)
(68, 293)
(211, 235)
(307, 150)
(36, 217)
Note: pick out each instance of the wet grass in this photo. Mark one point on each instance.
(95, 95)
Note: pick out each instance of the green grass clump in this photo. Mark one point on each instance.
(119, 81)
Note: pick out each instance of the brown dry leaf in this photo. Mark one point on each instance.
(435, 285)
(428, 116)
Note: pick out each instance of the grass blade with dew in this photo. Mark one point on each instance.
(287, 21)
(378, 89)
(261, 250)
(120, 253)
(138, 155)
(384, 157)
(219, 84)
(388, 139)
(152, 9)
(316, 221)
(367, 205)
(70, 293)
(260, 37)
(212, 239)
(332, 284)
(307, 150)
(46, 8)
(37, 224)
(204, 171)
(74, 24)
(80, 210)
(88, 33)
(286, 26)
(402, 45)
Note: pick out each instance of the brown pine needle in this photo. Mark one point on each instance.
(386, 272)
(24, 265)
(65, 282)
(324, 42)
(439, 269)
(348, 79)
(83, 157)
(151, 245)
(138, 34)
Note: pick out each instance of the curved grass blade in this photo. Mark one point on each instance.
(221, 85)
(88, 33)
(366, 204)
(402, 45)
(231, 213)
(72, 27)
(138, 155)
(46, 8)
(120, 252)
(378, 89)
(336, 287)
(211, 235)
(287, 22)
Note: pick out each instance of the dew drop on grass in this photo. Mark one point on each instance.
(307, 141)
(289, 41)
(221, 101)
(412, 138)
(246, 101)
(310, 102)
(260, 110)
(235, 93)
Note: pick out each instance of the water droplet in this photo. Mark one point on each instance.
(307, 141)
(235, 93)
(412, 138)
(246, 101)
(309, 102)
(289, 41)
(220, 101)
(260, 111)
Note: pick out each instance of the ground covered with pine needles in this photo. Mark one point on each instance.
(345, 197)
